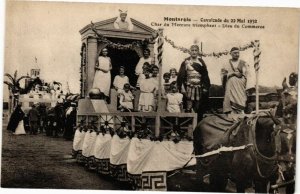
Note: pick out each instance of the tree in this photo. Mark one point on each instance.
(14, 82)
(14, 88)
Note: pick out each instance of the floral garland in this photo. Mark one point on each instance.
(213, 54)
(145, 42)
(132, 46)
(120, 46)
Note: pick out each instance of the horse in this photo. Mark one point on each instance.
(287, 111)
(254, 159)
(264, 148)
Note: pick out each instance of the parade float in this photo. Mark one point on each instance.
(130, 146)
(141, 148)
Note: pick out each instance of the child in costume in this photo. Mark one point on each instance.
(148, 90)
(173, 75)
(174, 99)
(120, 80)
(126, 99)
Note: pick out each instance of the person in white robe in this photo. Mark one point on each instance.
(139, 67)
(102, 79)
(120, 80)
(148, 89)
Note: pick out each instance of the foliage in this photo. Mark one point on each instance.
(14, 82)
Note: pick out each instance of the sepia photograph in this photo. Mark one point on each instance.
(147, 97)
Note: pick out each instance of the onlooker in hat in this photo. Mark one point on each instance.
(70, 121)
(33, 116)
(43, 116)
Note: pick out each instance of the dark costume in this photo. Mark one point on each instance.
(15, 118)
(51, 125)
(70, 123)
(193, 77)
(60, 116)
(43, 116)
(33, 115)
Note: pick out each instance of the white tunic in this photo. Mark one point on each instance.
(146, 102)
(172, 79)
(139, 66)
(119, 82)
(126, 99)
(174, 101)
(102, 80)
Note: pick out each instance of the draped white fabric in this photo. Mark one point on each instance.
(119, 150)
(146, 155)
(78, 140)
(88, 143)
(101, 149)
(139, 155)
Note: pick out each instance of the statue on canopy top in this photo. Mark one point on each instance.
(122, 22)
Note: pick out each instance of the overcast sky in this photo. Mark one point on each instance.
(50, 32)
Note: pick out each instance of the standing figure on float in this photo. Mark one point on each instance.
(102, 79)
(235, 75)
(193, 81)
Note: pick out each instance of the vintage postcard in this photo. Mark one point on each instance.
(150, 97)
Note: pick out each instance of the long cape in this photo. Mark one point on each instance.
(182, 74)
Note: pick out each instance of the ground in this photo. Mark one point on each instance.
(37, 161)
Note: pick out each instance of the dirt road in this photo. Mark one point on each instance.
(37, 161)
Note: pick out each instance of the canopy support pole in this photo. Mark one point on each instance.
(160, 43)
(256, 53)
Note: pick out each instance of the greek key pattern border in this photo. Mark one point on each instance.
(154, 181)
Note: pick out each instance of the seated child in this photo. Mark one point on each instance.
(120, 80)
(174, 99)
(173, 73)
(126, 99)
(148, 90)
